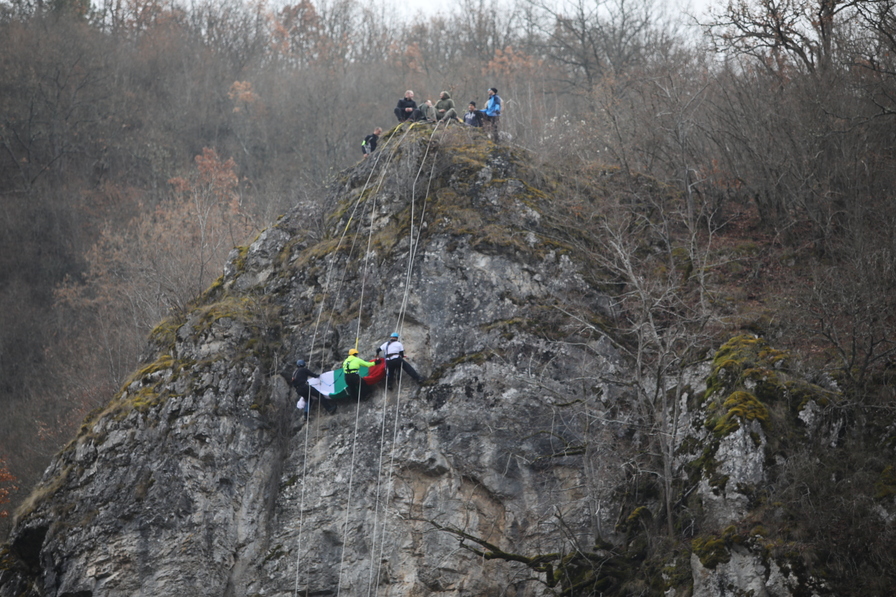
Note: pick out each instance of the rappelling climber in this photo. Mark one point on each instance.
(350, 368)
(393, 350)
(300, 382)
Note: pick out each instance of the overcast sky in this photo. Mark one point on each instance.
(699, 8)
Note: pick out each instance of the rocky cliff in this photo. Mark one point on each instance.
(513, 469)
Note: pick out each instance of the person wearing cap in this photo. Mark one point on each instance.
(306, 392)
(493, 111)
(350, 368)
(393, 351)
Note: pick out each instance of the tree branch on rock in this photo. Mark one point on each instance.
(577, 573)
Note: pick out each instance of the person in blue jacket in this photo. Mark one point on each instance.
(493, 111)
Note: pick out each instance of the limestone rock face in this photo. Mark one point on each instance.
(202, 478)
(745, 573)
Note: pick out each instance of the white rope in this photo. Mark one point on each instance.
(376, 564)
(326, 291)
(351, 475)
(358, 407)
(391, 467)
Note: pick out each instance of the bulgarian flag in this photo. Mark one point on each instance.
(332, 383)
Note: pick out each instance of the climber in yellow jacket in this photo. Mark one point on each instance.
(350, 368)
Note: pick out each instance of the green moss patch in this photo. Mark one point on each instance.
(714, 549)
(245, 309)
(739, 406)
(741, 358)
(164, 335)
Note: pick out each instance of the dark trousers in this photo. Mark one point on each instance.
(353, 383)
(393, 371)
(493, 123)
(356, 388)
(414, 116)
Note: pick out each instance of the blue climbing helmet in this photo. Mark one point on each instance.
(300, 363)
(395, 334)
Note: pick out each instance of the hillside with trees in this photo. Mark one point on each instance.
(141, 141)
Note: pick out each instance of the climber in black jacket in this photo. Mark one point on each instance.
(306, 392)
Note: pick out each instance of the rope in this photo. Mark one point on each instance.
(391, 467)
(373, 579)
(351, 475)
(326, 292)
(358, 407)
(413, 246)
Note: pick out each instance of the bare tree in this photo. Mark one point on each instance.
(779, 31)
(850, 307)
(596, 40)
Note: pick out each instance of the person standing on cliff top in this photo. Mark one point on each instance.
(493, 111)
(473, 117)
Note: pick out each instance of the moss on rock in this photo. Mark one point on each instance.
(715, 549)
(740, 405)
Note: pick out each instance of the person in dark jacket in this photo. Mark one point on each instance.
(407, 108)
(300, 382)
(368, 146)
(472, 116)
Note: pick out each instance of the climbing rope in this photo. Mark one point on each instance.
(412, 250)
(351, 475)
(358, 406)
(376, 564)
(326, 292)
